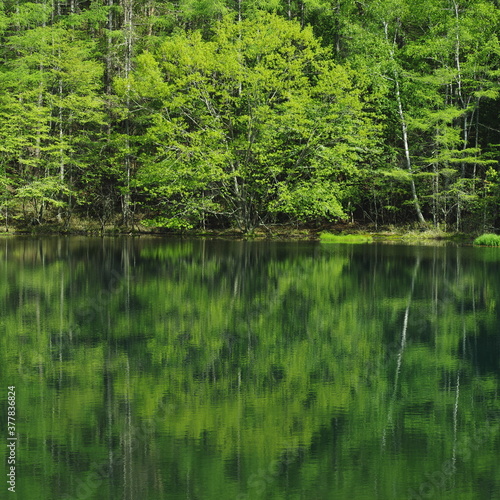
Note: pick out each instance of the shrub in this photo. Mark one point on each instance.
(489, 240)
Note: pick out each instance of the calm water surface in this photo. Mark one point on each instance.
(150, 369)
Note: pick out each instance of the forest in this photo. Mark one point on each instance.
(200, 114)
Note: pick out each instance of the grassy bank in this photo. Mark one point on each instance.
(345, 238)
(488, 240)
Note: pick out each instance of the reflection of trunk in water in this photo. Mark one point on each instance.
(457, 393)
(401, 350)
(127, 440)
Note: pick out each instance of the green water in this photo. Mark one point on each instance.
(149, 369)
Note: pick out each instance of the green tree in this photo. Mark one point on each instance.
(252, 125)
(456, 65)
(50, 112)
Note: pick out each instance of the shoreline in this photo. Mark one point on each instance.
(273, 233)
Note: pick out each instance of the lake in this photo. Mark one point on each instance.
(150, 369)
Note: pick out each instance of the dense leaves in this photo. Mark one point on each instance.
(247, 113)
(253, 124)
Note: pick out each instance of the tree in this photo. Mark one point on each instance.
(250, 126)
(49, 113)
(456, 60)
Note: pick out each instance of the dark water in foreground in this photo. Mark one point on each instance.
(154, 369)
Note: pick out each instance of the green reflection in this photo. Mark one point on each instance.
(160, 369)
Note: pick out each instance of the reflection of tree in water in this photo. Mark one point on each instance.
(255, 348)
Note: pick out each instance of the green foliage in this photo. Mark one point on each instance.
(310, 201)
(255, 122)
(489, 240)
(242, 113)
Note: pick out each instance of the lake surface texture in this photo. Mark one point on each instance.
(151, 369)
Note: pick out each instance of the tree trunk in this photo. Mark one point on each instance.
(128, 29)
(404, 127)
(404, 130)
